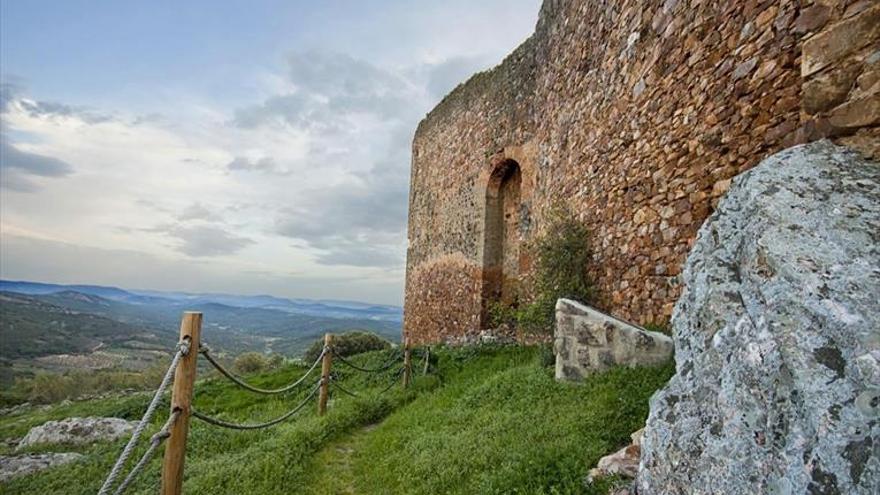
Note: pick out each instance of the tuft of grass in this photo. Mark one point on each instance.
(663, 327)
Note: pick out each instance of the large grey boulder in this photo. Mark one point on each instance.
(587, 340)
(77, 431)
(14, 466)
(777, 338)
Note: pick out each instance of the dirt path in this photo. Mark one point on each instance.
(334, 465)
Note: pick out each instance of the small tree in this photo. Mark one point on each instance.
(275, 360)
(250, 362)
(51, 387)
(349, 344)
(562, 254)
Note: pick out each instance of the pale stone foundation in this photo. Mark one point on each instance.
(587, 340)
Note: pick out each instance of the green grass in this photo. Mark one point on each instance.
(490, 420)
(219, 460)
(501, 424)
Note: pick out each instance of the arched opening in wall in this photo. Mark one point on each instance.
(501, 238)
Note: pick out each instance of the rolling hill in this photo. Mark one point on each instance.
(57, 327)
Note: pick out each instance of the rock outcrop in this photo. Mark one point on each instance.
(624, 462)
(13, 466)
(777, 338)
(587, 340)
(77, 431)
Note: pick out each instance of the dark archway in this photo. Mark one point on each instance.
(501, 237)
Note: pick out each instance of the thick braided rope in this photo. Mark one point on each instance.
(182, 350)
(155, 441)
(240, 426)
(238, 381)
(342, 389)
(393, 381)
(388, 364)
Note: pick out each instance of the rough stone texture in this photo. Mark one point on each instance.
(635, 114)
(13, 466)
(624, 462)
(77, 431)
(587, 340)
(777, 338)
(839, 62)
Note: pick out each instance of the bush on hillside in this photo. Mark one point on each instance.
(46, 387)
(562, 254)
(348, 344)
(275, 360)
(251, 362)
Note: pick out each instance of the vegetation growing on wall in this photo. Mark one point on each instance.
(562, 253)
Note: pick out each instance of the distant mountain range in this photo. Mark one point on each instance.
(55, 327)
(324, 308)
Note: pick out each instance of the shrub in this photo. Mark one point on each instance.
(348, 344)
(47, 387)
(51, 387)
(562, 254)
(275, 360)
(250, 362)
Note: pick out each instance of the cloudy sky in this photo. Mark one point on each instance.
(235, 146)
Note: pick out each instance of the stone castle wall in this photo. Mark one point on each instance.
(636, 114)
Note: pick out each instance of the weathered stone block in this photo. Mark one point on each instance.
(812, 18)
(826, 91)
(587, 340)
(777, 338)
(838, 40)
(856, 113)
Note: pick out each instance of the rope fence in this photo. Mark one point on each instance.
(388, 364)
(182, 350)
(155, 441)
(242, 426)
(238, 381)
(182, 370)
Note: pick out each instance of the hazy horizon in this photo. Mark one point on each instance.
(244, 148)
(149, 290)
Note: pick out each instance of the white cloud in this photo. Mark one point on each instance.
(308, 178)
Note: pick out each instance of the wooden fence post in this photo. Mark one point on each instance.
(326, 362)
(427, 360)
(181, 400)
(407, 363)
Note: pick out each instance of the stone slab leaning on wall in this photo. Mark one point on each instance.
(777, 338)
(587, 340)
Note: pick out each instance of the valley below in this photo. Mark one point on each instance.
(48, 328)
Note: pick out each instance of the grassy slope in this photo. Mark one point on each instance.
(498, 423)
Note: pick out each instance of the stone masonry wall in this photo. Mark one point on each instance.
(636, 114)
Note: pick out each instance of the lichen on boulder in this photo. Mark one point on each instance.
(77, 431)
(15, 466)
(777, 338)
